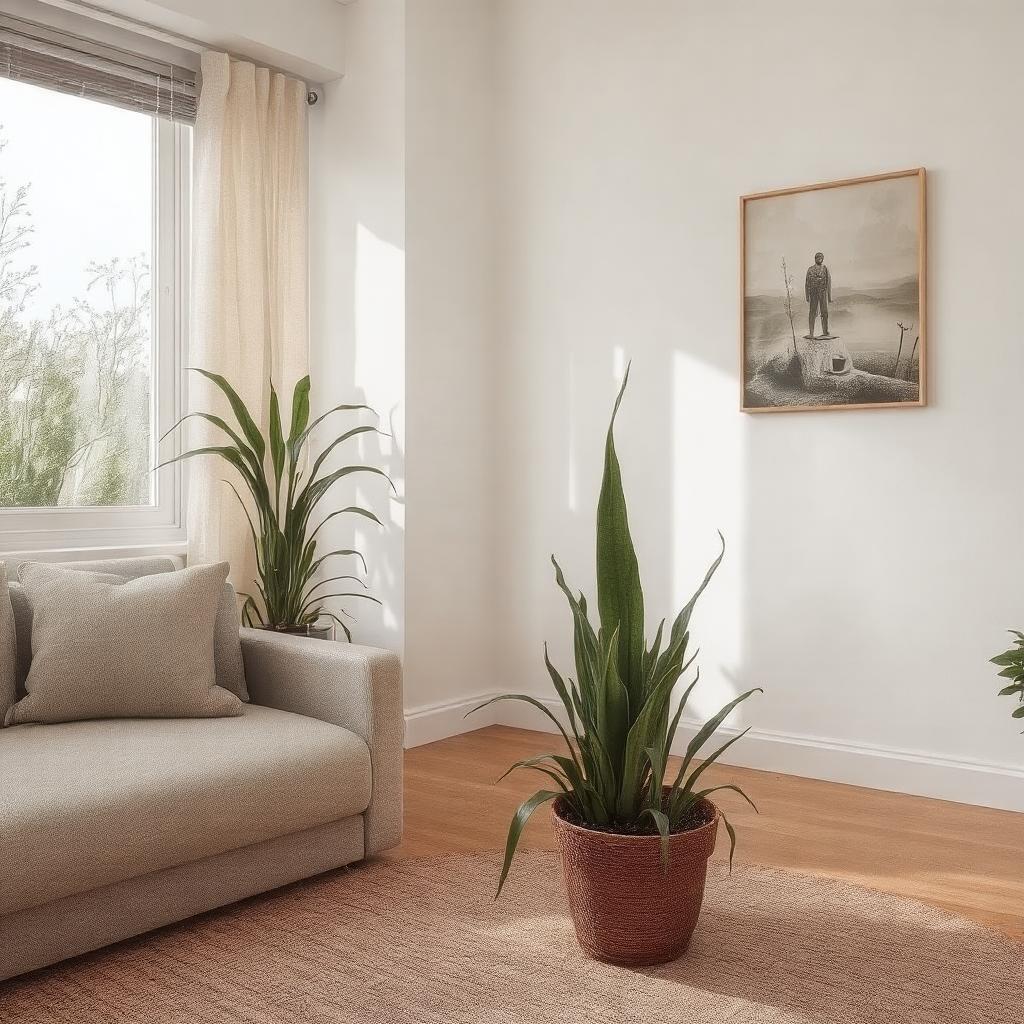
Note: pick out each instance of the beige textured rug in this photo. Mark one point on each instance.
(422, 942)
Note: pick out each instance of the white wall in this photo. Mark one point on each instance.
(571, 173)
(874, 557)
(450, 539)
(304, 37)
(357, 287)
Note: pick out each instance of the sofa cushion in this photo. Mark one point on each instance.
(106, 648)
(227, 648)
(8, 648)
(86, 804)
(128, 568)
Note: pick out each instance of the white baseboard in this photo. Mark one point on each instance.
(431, 722)
(918, 773)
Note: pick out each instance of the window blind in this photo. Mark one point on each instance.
(71, 64)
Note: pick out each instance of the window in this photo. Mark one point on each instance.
(93, 244)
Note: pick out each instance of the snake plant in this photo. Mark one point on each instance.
(618, 708)
(285, 502)
(1011, 667)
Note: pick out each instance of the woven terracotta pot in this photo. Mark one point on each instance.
(626, 909)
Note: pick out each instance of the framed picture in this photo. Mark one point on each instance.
(832, 295)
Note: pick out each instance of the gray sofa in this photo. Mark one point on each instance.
(111, 828)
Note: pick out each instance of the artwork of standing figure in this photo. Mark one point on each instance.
(818, 292)
(865, 342)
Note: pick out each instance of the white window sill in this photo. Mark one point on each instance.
(91, 554)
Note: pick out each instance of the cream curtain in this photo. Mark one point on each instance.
(250, 309)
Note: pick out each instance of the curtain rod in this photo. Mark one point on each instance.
(136, 25)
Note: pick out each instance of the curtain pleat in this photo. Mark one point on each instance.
(250, 274)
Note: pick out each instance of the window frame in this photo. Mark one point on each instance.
(161, 524)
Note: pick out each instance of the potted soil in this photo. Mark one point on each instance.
(634, 846)
(322, 629)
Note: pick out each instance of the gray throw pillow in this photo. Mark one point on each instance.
(227, 645)
(8, 647)
(136, 649)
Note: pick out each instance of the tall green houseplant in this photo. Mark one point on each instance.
(284, 503)
(618, 708)
(1011, 668)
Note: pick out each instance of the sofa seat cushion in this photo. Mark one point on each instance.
(85, 804)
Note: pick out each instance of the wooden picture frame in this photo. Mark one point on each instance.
(864, 243)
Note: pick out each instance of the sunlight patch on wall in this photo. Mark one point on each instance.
(379, 321)
(379, 377)
(618, 364)
(708, 494)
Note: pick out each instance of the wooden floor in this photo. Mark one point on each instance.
(966, 859)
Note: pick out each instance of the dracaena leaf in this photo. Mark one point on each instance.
(241, 411)
(276, 438)
(300, 409)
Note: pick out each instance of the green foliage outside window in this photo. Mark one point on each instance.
(75, 386)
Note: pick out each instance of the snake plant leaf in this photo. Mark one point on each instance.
(620, 597)
(658, 756)
(619, 706)
(682, 621)
(642, 734)
(241, 411)
(707, 730)
(709, 761)
(300, 409)
(539, 764)
(526, 699)
(661, 822)
(613, 719)
(563, 692)
(705, 793)
(732, 836)
(584, 795)
(519, 820)
(585, 645)
(670, 733)
(651, 655)
(682, 705)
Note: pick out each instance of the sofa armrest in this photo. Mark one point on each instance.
(358, 688)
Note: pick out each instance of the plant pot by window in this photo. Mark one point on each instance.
(283, 507)
(322, 629)
(627, 909)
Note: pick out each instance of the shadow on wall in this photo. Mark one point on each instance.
(383, 547)
(357, 287)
